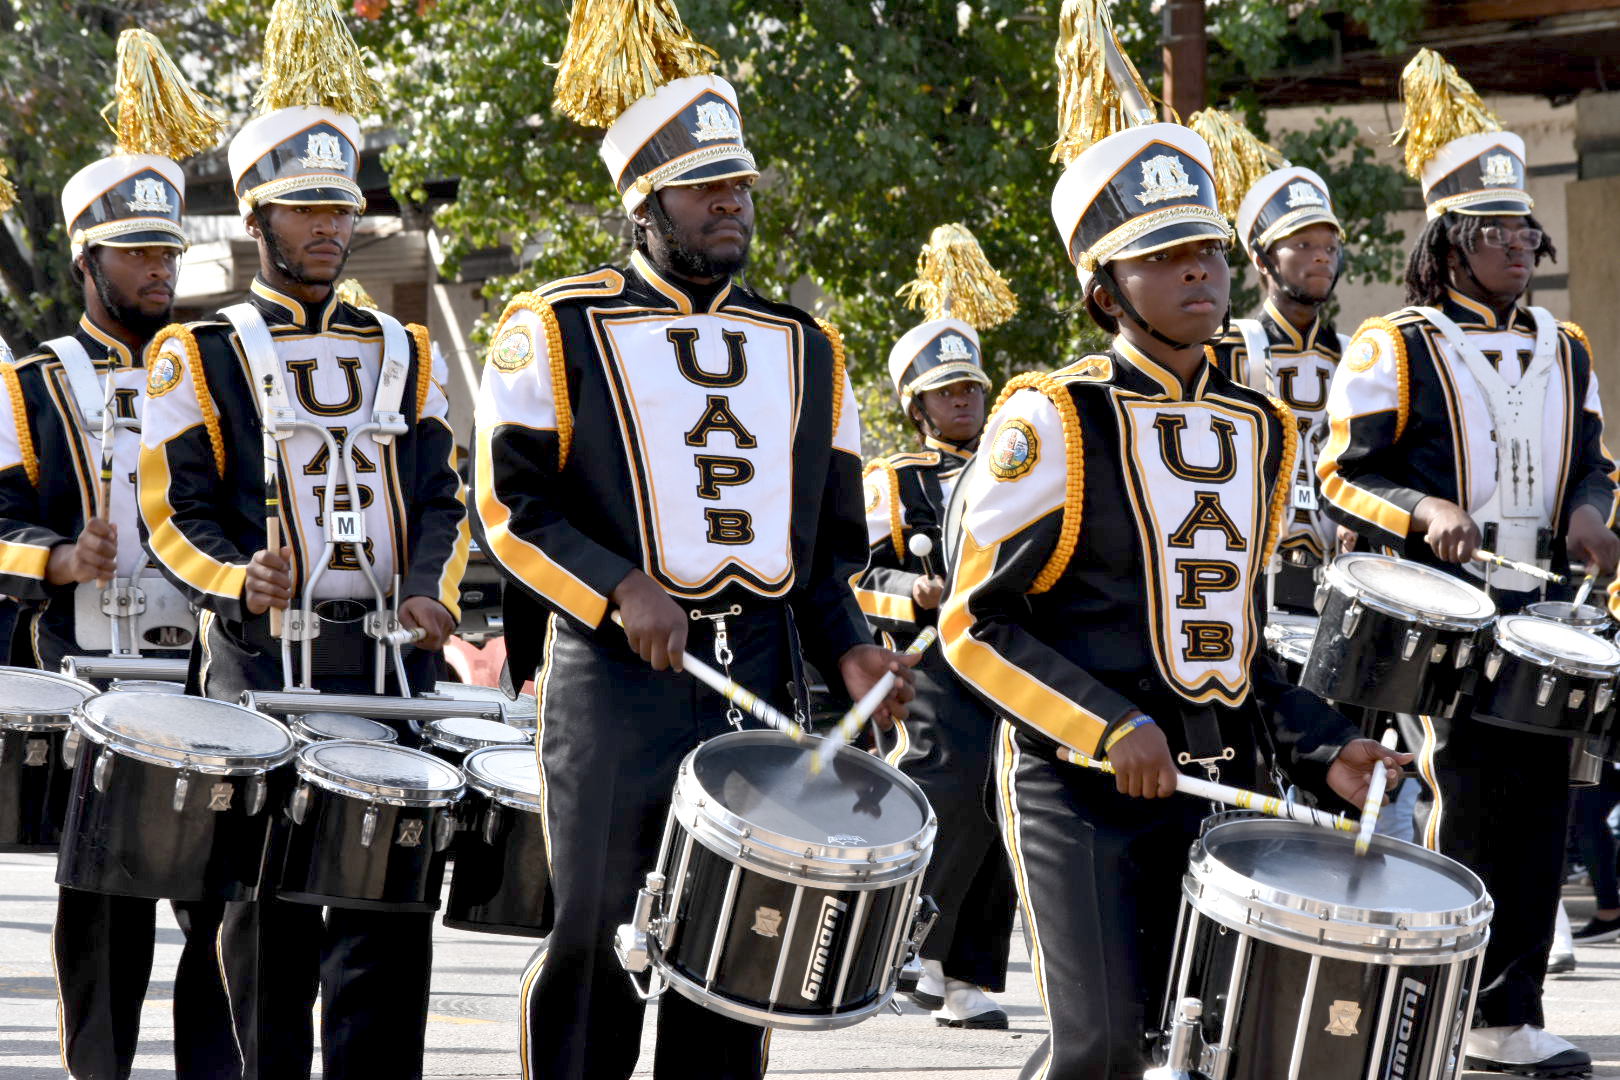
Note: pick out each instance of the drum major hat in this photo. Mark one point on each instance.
(135, 197)
(1455, 146)
(304, 148)
(632, 67)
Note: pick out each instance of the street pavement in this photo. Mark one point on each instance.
(472, 1022)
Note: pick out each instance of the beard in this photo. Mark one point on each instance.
(686, 256)
(124, 308)
(297, 271)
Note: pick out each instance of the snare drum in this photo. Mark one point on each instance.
(324, 726)
(1394, 635)
(1547, 677)
(1289, 639)
(501, 884)
(1312, 962)
(454, 737)
(1594, 620)
(783, 898)
(36, 711)
(370, 824)
(170, 795)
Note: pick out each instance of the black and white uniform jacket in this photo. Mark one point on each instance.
(1298, 369)
(906, 494)
(50, 469)
(202, 490)
(1408, 420)
(1106, 555)
(708, 437)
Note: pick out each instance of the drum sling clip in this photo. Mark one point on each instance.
(722, 652)
(632, 941)
(1211, 764)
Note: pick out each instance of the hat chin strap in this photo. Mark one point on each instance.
(1292, 291)
(1106, 276)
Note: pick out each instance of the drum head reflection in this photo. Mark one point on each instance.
(382, 765)
(474, 729)
(1416, 587)
(505, 770)
(1318, 865)
(189, 725)
(1558, 639)
(333, 725)
(25, 693)
(856, 802)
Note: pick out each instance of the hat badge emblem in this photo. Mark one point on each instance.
(715, 121)
(954, 347)
(323, 151)
(1301, 193)
(1165, 177)
(1499, 171)
(151, 197)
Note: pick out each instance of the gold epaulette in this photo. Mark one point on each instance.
(604, 282)
(897, 530)
(1095, 367)
(1403, 382)
(836, 338)
(541, 307)
(19, 418)
(1280, 498)
(1574, 330)
(1074, 459)
(199, 384)
(424, 364)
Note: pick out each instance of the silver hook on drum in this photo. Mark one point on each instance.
(723, 654)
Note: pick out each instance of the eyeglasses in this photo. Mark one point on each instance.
(1498, 237)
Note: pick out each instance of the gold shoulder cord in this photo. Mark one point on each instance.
(836, 337)
(19, 416)
(1074, 458)
(1285, 479)
(199, 383)
(529, 301)
(1403, 387)
(424, 365)
(896, 527)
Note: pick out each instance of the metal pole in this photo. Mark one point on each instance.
(1184, 56)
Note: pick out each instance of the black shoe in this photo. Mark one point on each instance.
(927, 1001)
(1568, 1063)
(1596, 931)
(994, 1020)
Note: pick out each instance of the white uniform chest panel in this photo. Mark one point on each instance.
(708, 405)
(1196, 486)
(1302, 382)
(331, 381)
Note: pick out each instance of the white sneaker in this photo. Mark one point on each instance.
(1525, 1050)
(966, 1006)
(930, 992)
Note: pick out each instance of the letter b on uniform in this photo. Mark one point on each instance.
(730, 526)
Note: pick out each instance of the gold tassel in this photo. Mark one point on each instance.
(158, 111)
(618, 52)
(955, 279)
(1440, 107)
(310, 58)
(351, 292)
(1091, 103)
(1240, 158)
(8, 191)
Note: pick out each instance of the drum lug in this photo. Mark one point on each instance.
(1493, 664)
(1464, 653)
(298, 804)
(444, 829)
(182, 786)
(1181, 1057)
(1321, 597)
(1601, 699)
(102, 777)
(1544, 688)
(70, 747)
(368, 826)
(1351, 618)
(36, 753)
(1409, 646)
(492, 824)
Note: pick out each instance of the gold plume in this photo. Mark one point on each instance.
(8, 191)
(157, 110)
(310, 58)
(618, 52)
(955, 279)
(351, 292)
(1440, 107)
(1240, 158)
(1091, 103)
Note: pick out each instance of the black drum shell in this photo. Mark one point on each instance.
(130, 841)
(1366, 669)
(33, 798)
(1509, 700)
(502, 887)
(749, 957)
(322, 860)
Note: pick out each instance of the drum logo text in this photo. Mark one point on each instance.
(1406, 1028)
(832, 909)
(1342, 1017)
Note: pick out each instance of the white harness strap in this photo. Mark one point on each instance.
(1256, 373)
(88, 396)
(1517, 509)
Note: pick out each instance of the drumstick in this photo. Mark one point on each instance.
(272, 493)
(1241, 798)
(922, 546)
(1481, 555)
(850, 725)
(1375, 795)
(1584, 591)
(732, 692)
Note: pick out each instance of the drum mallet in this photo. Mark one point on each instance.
(737, 695)
(851, 723)
(1584, 591)
(922, 546)
(1481, 555)
(1242, 798)
(1375, 795)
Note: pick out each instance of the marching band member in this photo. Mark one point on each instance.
(660, 440)
(944, 744)
(1104, 594)
(1437, 413)
(204, 506)
(61, 531)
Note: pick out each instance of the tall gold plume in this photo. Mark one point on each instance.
(1240, 158)
(157, 110)
(1440, 107)
(955, 279)
(351, 292)
(310, 58)
(618, 52)
(8, 191)
(1092, 103)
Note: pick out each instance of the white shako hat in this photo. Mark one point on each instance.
(136, 196)
(1282, 203)
(304, 148)
(631, 66)
(935, 354)
(1455, 146)
(960, 294)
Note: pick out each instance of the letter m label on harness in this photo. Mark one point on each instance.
(822, 947)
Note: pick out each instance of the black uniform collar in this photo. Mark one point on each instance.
(685, 296)
(102, 347)
(1470, 314)
(278, 307)
(1137, 370)
(1320, 338)
(947, 450)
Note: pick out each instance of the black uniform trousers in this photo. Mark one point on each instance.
(946, 750)
(372, 969)
(613, 733)
(1099, 875)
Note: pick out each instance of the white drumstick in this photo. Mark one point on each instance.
(855, 719)
(1585, 590)
(1375, 795)
(922, 546)
(1242, 798)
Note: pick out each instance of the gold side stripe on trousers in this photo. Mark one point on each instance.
(526, 988)
(1008, 756)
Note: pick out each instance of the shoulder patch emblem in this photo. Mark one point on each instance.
(1016, 450)
(163, 375)
(514, 350)
(1363, 355)
(874, 491)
